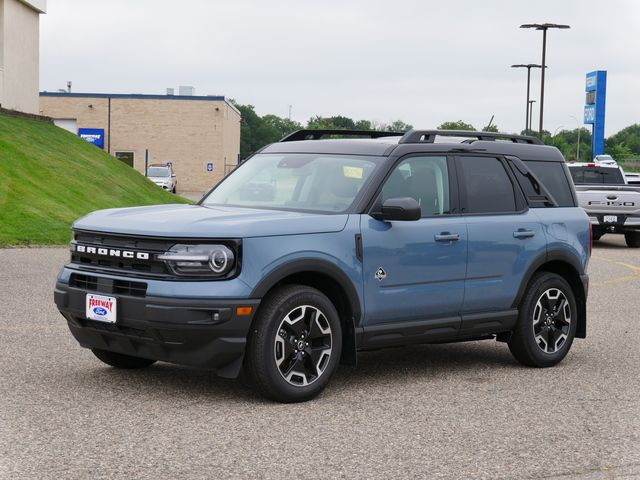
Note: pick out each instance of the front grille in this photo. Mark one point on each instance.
(150, 267)
(84, 282)
(133, 289)
(108, 285)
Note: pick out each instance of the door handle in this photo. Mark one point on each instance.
(447, 237)
(523, 233)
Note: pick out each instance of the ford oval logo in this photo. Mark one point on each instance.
(100, 311)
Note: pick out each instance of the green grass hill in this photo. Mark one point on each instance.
(50, 177)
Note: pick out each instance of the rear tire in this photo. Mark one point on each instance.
(547, 321)
(596, 236)
(632, 239)
(294, 345)
(120, 360)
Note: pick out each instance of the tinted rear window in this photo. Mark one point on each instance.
(553, 177)
(596, 175)
(487, 185)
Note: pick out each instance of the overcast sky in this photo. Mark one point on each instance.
(423, 62)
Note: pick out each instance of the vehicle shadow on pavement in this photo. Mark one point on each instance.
(432, 360)
(607, 244)
(168, 382)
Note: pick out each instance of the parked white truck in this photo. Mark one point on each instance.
(612, 204)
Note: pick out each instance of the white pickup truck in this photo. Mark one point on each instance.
(612, 204)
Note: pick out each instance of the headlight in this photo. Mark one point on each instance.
(199, 260)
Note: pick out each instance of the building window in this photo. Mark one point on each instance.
(125, 157)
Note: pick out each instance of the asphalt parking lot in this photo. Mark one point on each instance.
(439, 411)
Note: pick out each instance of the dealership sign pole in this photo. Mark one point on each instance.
(594, 108)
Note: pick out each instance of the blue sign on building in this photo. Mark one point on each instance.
(92, 135)
(594, 108)
(209, 167)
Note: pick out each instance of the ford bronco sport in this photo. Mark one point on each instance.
(315, 249)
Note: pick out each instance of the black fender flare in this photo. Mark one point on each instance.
(353, 330)
(561, 255)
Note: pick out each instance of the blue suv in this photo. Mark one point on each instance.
(317, 248)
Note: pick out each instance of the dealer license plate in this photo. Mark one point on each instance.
(610, 219)
(101, 308)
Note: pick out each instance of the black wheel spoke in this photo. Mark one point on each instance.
(559, 306)
(551, 339)
(545, 302)
(294, 364)
(314, 330)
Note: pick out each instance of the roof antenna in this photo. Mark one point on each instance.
(490, 121)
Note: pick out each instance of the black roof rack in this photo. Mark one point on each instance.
(429, 136)
(318, 134)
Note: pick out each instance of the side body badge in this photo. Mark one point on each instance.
(380, 274)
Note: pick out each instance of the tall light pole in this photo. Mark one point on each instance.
(544, 27)
(528, 66)
(578, 147)
(531, 102)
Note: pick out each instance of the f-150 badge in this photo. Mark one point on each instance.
(380, 274)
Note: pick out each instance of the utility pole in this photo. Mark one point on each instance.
(528, 66)
(531, 102)
(544, 27)
(578, 147)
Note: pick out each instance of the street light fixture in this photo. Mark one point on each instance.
(544, 27)
(528, 66)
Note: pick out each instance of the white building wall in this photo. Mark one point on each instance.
(19, 54)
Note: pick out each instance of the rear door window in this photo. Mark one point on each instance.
(487, 185)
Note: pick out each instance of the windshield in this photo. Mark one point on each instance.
(596, 176)
(308, 182)
(158, 172)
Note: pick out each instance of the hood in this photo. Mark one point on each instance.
(204, 222)
(159, 179)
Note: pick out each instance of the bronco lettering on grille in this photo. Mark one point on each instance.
(112, 252)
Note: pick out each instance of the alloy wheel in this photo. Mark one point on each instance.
(303, 345)
(551, 320)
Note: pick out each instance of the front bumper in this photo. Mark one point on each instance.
(197, 332)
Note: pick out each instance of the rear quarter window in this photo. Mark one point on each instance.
(553, 177)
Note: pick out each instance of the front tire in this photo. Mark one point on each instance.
(120, 360)
(295, 344)
(547, 322)
(632, 239)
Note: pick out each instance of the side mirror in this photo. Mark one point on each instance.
(173, 175)
(401, 208)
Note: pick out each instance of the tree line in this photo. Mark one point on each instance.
(257, 131)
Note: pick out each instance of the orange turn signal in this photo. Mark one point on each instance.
(243, 311)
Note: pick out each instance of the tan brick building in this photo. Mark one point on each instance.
(199, 135)
(20, 53)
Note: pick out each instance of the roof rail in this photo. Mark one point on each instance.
(318, 134)
(429, 136)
